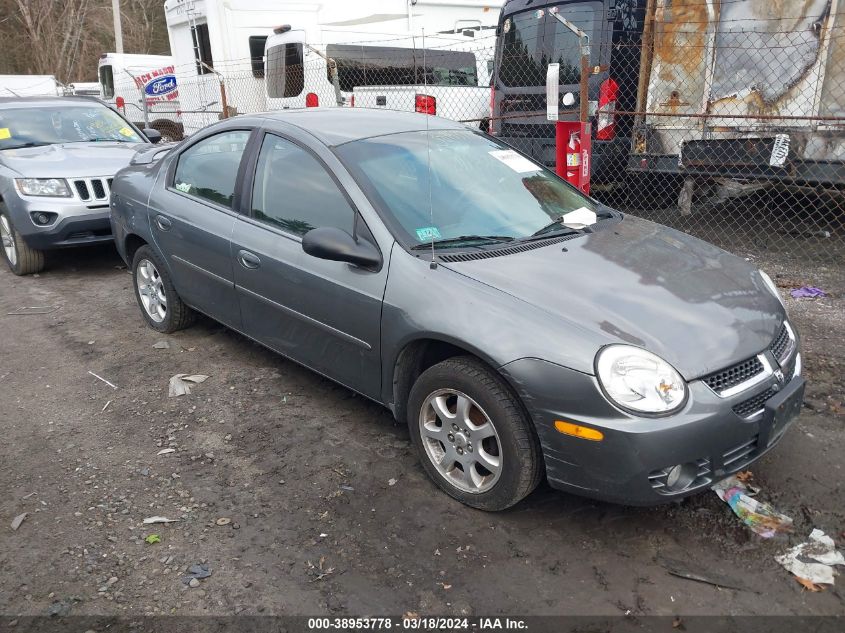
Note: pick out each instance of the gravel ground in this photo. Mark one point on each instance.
(302, 498)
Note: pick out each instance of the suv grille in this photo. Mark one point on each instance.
(93, 189)
(733, 376)
(782, 345)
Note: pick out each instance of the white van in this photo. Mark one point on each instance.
(30, 86)
(440, 73)
(144, 89)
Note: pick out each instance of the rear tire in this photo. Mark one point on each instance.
(22, 259)
(473, 436)
(161, 306)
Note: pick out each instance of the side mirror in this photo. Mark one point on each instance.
(338, 246)
(153, 136)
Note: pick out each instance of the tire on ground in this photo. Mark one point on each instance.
(522, 462)
(178, 315)
(27, 260)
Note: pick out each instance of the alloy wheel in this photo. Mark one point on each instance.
(151, 290)
(8, 240)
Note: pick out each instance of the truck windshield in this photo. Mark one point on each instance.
(533, 39)
(475, 186)
(27, 127)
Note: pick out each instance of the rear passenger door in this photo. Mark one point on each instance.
(324, 314)
(192, 219)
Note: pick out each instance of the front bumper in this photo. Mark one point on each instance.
(76, 230)
(630, 465)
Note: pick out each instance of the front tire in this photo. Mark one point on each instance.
(472, 435)
(22, 259)
(163, 309)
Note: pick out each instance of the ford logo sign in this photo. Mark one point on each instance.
(160, 86)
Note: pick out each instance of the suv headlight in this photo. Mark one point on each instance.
(639, 381)
(771, 286)
(52, 187)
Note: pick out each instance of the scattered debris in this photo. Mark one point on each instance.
(16, 522)
(24, 311)
(762, 518)
(196, 573)
(320, 570)
(807, 292)
(683, 569)
(150, 520)
(391, 482)
(346, 487)
(180, 384)
(193, 583)
(151, 539)
(678, 623)
(812, 562)
(166, 451)
(106, 406)
(161, 345)
(223, 521)
(110, 384)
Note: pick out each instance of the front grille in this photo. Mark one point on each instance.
(725, 379)
(90, 189)
(739, 456)
(782, 345)
(747, 408)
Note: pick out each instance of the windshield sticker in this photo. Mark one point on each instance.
(185, 187)
(126, 131)
(5, 133)
(428, 233)
(518, 163)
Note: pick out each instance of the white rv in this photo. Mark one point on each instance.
(218, 45)
(144, 89)
(30, 86)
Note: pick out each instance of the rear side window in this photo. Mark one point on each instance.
(209, 169)
(293, 191)
(256, 54)
(394, 66)
(285, 71)
(107, 81)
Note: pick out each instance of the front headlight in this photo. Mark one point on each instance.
(52, 187)
(771, 286)
(638, 380)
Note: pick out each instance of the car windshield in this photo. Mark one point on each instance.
(475, 187)
(29, 127)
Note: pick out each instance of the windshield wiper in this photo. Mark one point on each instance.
(556, 227)
(30, 144)
(461, 239)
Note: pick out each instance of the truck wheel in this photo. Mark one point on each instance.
(161, 306)
(22, 259)
(472, 435)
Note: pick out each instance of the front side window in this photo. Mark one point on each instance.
(107, 81)
(450, 183)
(209, 169)
(285, 71)
(294, 192)
(29, 127)
(533, 39)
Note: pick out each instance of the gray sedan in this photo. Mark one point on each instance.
(520, 328)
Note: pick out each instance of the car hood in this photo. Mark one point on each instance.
(636, 282)
(70, 160)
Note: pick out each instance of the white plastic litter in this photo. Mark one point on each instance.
(149, 520)
(166, 451)
(813, 560)
(180, 384)
(578, 219)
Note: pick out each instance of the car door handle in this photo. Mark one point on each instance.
(163, 223)
(249, 260)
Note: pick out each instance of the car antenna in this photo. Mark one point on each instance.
(433, 264)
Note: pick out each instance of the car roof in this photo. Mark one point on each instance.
(47, 101)
(335, 126)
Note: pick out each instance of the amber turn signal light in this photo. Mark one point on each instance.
(576, 430)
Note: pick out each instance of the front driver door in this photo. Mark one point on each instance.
(324, 314)
(192, 220)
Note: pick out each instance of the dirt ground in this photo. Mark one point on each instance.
(328, 510)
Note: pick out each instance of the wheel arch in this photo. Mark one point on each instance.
(131, 244)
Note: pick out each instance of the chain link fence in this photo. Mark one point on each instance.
(722, 119)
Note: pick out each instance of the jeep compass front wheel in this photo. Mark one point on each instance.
(22, 259)
(472, 435)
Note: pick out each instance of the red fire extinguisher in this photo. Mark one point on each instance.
(572, 153)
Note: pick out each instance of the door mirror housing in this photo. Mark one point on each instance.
(153, 136)
(338, 246)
